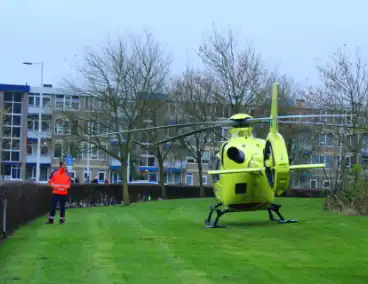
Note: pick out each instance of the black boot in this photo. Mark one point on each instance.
(50, 221)
(62, 221)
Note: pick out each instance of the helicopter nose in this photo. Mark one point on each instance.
(236, 155)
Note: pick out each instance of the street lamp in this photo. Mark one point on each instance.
(38, 166)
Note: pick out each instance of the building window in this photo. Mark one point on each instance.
(32, 124)
(13, 97)
(101, 176)
(32, 148)
(43, 173)
(15, 172)
(190, 160)
(93, 152)
(313, 183)
(147, 161)
(205, 157)
(58, 150)
(189, 179)
(62, 127)
(67, 102)
(72, 175)
(86, 173)
(204, 179)
(34, 100)
(363, 161)
(91, 127)
(11, 156)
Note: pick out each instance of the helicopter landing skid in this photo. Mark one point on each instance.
(276, 208)
(219, 212)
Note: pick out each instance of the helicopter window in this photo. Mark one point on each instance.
(222, 153)
(216, 167)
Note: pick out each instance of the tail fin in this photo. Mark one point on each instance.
(274, 108)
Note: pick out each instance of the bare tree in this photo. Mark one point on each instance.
(155, 115)
(237, 72)
(194, 95)
(114, 79)
(344, 90)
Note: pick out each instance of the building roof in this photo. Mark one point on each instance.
(14, 88)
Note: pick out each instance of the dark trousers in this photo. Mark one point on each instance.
(54, 201)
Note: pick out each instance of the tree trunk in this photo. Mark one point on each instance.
(200, 171)
(125, 188)
(161, 177)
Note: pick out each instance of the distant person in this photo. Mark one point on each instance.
(60, 183)
(106, 181)
(95, 180)
(77, 180)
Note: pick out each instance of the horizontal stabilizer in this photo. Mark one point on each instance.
(307, 166)
(248, 170)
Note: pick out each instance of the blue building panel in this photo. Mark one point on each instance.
(149, 169)
(14, 88)
(19, 164)
(41, 164)
(172, 170)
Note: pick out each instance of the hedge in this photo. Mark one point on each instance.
(27, 201)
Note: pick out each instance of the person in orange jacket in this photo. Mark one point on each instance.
(60, 183)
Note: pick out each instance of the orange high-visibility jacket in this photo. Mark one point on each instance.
(60, 182)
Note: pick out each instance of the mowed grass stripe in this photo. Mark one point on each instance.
(184, 270)
(33, 252)
(165, 242)
(255, 249)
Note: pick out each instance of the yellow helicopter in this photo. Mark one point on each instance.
(249, 171)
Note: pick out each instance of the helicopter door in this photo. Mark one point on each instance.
(216, 166)
(276, 163)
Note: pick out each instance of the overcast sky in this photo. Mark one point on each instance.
(291, 35)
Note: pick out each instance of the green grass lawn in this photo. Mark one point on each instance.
(165, 242)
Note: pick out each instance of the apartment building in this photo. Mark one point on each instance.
(14, 100)
(20, 132)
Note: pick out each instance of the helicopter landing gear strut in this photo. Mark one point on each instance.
(276, 208)
(219, 212)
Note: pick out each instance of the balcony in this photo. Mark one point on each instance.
(46, 134)
(114, 163)
(175, 166)
(35, 109)
(32, 159)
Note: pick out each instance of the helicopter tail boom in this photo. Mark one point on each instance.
(306, 166)
(236, 171)
(259, 170)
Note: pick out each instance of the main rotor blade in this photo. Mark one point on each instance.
(219, 122)
(312, 116)
(313, 123)
(188, 134)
